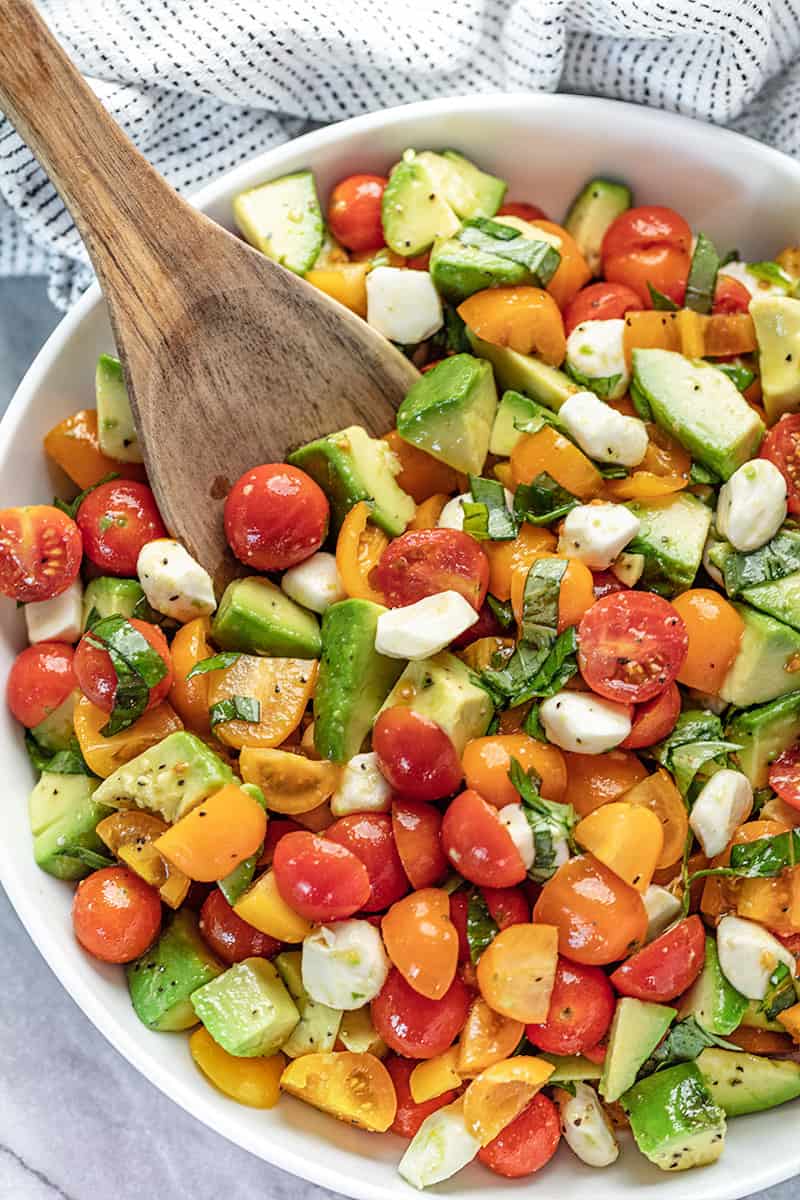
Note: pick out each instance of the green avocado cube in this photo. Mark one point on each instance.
(318, 1027)
(525, 373)
(256, 617)
(163, 979)
(766, 663)
(449, 412)
(247, 1009)
(777, 322)
(674, 1119)
(116, 431)
(283, 220)
(169, 779)
(637, 1028)
(112, 597)
(414, 210)
(57, 730)
(712, 1000)
(672, 535)
(763, 733)
(64, 814)
(746, 1083)
(442, 689)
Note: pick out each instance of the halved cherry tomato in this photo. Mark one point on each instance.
(714, 630)
(659, 793)
(782, 447)
(459, 909)
(517, 969)
(520, 208)
(784, 775)
(40, 552)
(487, 762)
(730, 296)
(275, 516)
(647, 244)
(600, 919)
(426, 561)
(478, 844)
(582, 1004)
(527, 1144)
(486, 626)
(626, 838)
(189, 697)
(525, 319)
(498, 1095)
(417, 830)
(507, 906)
(547, 450)
(600, 302)
(369, 836)
(631, 646)
(231, 938)
(74, 445)
(486, 1038)
(359, 548)
(412, 1024)
(319, 879)
(421, 475)
(97, 678)
(422, 941)
(410, 1114)
(40, 679)
(654, 719)
(761, 1041)
(667, 967)
(353, 1087)
(277, 828)
(116, 520)
(594, 779)
(115, 914)
(573, 271)
(505, 558)
(354, 211)
(415, 755)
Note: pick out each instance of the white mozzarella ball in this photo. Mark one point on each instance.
(56, 620)
(749, 955)
(752, 505)
(362, 788)
(441, 1146)
(595, 350)
(420, 630)
(662, 909)
(173, 582)
(584, 723)
(597, 533)
(586, 1128)
(403, 305)
(344, 965)
(723, 804)
(601, 432)
(515, 821)
(314, 583)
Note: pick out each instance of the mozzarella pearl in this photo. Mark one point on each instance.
(601, 432)
(403, 305)
(586, 1128)
(418, 631)
(595, 350)
(173, 582)
(662, 909)
(57, 620)
(584, 723)
(314, 583)
(752, 505)
(597, 533)
(344, 965)
(723, 804)
(362, 788)
(515, 821)
(749, 955)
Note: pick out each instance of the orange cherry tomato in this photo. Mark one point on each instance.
(478, 844)
(600, 302)
(659, 793)
(417, 833)
(648, 244)
(189, 697)
(422, 941)
(594, 779)
(420, 474)
(74, 446)
(550, 451)
(486, 1038)
(715, 630)
(517, 970)
(720, 894)
(761, 1041)
(354, 211)
(500, 1093)
(573, 270)
(600, 918)
(358, 551)
(216, 836)
(575, 597)
(355, 1088)
(507, 557)
(654, 719)
(487, 761)
(525, 319)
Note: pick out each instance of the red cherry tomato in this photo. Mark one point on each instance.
(606, 582)
(40, 552)
(507, 906)
(665, 968)
(582, 1004)
(600, 302)
(369, 836)
(730, 296)
(97, 678)
(277, 828)
(527, 1144)
(478, 844)
(354, 211)
(40, 679)
(647, 244)
(275, 516)
(631, 646)
(520, 208)
(459, 907)
(415, 1026)
(410, 1115)
(487, 625)
(426, 561)
(782, 447)
(415, 755)
(116, 520)
(115, 914)
(417, 829)
(654, 719)
(784, 775)
(319, 879)
(231, 938)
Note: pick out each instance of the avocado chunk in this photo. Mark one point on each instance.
(449, 412)
(247, 1009)
(161, 981)
(514, 413)
(351, 466)
(674, 1120)
(318, 1027)
(469, 191)
(700, 406)
(441, 689)
(766, 664)
(672, 533)
(525, 373)
(763, 733)
(712, 1000)
(169, 779)
(354, 680)
(413, 210)
(595, 207)
(746, 1083)
(492, 254)
(63, 817)
(754, 1018)
(780, 598)
(777, 322)
(283, 220)
(636, 1030)
(572, 1068)
(116, 431)
(57, 730)
(111, 597)
(256, 617)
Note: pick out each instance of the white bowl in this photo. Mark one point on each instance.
(742, 194)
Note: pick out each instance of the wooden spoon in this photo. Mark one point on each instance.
(230, 360)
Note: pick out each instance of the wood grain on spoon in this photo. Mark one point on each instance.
(230, 360)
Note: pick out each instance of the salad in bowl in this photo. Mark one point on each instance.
(468, 810)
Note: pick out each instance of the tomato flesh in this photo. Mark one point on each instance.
(600, 919)
(417, 828)
(527, 1143)
(410, 1115)
(369, 836)
(319, 879)
(600, 302)
(413, 1025)
(354, 211)
(665, 968)
(782, 447)
(97, 678)
(507, 905)
(730, 296)
(581, 1008)
(40, 679)
(275, 517)
(654, 719)
(115, 914)
(415, 755)
(478, 845)
(424, 562)
(40, 552)
(117, 519)
(232, 939)
(784, 776)
(648, 244)
(631, 646)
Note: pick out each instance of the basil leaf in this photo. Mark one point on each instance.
(731, 256)
(771, 272)
(71, 508)
(116, 634)
(540, 596)
(661, 303)
(89, 858)
(775, 560)
(738, 374)
(613, 471)
(494, 229)
(235, 708)
(539, 258)
(40, 759)
(93, 618)
(481, 926)
(640, 402)
(700, 474)
(217, 662)
(684, 1043)
(766, 857)
(543, 500)
(538, 636)
(488, 516)
(602, 387)
(556, 671)
(532, 725)
(551, 823)
(502, 610)
(130, 698)
(781, 993)
(690, 759)
(702, 276)
(693, 725)
(696, 741)
(63, 762)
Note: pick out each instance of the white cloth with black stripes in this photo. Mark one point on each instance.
(202, 84)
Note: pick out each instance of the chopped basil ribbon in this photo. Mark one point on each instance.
(613, 471)
(775, 560)
(217, 662)
(71, 508)
(137, 666)
(741, 376)
(696, 742)
(64, 762)
(487, 516)
(481, 926)
(540, 258)
(684, 1042)
(762, 859)
(89, 858)
(532, 725)
(502, 610)
(640, 402)
(661, 303)
(781, 993)
(543, 500)
(235, 708)
(551, 823)
(772, 272)
(731, 256)
(702, 278)
(602, 387)
(237, 881)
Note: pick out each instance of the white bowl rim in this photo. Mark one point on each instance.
(49, 942)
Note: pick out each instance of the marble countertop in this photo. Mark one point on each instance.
(76, 1121)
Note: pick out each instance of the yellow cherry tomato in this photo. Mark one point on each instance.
(358, 551)
(547, 450)
(594, 779)
(420, 475)
(189, 697)
(435, 1076)
(499, 1094)
(659, 793)
(355, 1088)
(105, 754)
(422, 941)
(263, 907)
(251, 1081)
(517, 970)
(486, 1038)
(505, 558)
(282, 687)
(291, 783)
(715, 630)
(427, 514)
(626, 838)
(216, 835)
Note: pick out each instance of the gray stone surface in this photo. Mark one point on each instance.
(76, 1121)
